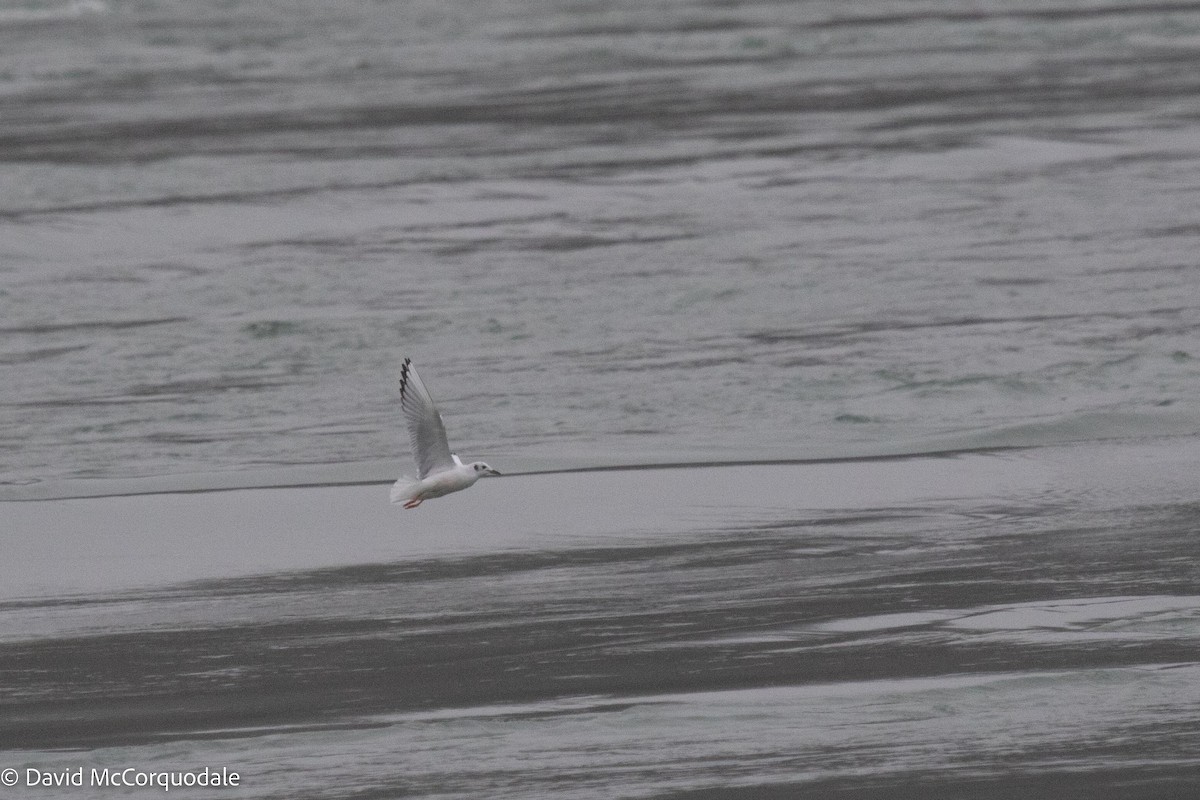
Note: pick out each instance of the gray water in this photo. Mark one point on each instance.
(916, 282)
(608, 233)
(990, 625)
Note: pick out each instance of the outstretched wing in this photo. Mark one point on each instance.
(425, 429)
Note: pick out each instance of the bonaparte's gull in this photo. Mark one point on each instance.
(440, 470)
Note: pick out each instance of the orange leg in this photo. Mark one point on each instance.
(416, 501)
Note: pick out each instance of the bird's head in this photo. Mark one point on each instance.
(483, 470)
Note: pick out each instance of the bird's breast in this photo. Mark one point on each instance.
(446, 482)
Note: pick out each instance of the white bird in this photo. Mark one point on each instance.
(440, 470)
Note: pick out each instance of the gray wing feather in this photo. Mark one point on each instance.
(426, 432)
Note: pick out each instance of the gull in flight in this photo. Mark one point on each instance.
(440, 470)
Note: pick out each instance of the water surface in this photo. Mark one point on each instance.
(900, 298)
(608, 233)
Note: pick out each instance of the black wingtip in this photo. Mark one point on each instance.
(404, 374)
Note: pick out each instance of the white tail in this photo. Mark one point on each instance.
(404, 489)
